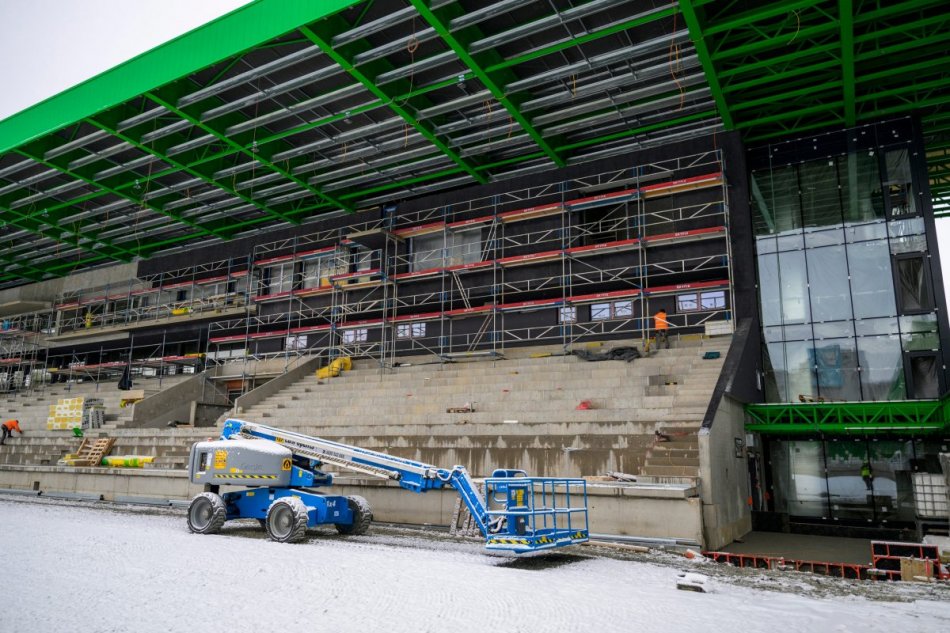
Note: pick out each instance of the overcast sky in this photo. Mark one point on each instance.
(46, 46)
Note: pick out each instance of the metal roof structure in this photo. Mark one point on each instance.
(287, 110)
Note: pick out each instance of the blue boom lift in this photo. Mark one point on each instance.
(280, 470)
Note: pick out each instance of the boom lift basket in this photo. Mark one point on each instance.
(535, 513)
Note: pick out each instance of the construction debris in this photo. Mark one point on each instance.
(627, 354)
(693, 582)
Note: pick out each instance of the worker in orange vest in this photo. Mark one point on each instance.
(8, 428)
(661, 327)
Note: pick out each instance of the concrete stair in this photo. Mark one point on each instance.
(672, 460)
(32, 408)
(525, 414)
(44, 448)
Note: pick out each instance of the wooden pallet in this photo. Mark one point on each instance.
(91, 451)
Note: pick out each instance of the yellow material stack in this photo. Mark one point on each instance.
(65, 414)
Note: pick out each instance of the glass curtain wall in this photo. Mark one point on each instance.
(847, 479)
(844, 284)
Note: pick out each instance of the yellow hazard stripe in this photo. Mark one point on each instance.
(510, 541)
(230, 476)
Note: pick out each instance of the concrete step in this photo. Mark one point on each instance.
(670, 471)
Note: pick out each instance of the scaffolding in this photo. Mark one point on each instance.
(202, 291)
(508, 269)
(21, 351)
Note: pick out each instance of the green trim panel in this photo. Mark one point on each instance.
(240, 30)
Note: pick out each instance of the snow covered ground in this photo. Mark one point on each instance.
(69, 567)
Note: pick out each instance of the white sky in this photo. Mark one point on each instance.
(46, 46)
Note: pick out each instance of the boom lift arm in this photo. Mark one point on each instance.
(516, 512)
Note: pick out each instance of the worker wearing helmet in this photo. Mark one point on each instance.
(8, 428)
(661, 327)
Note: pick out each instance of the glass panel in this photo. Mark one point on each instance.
(316, 273)
(833, 329)
(568, 314)
(599, 311)
(774, 333)
(872, 288)
(828, 276)
(807, 492)
(919, 323)
(821, 205)
(861, 187)
(774, 370)
(466, 247)
(791, 241)
(623, 309)
(891, 489)
(837, 370)
(281, 278)
(713, 300)
(770, 296)
(798, 332)
(903, 228)
(865, 232)
(907, 236)
(901, 197)
(849, 495)
(921, 342)
(802, 382)
(886, 325)
(913, 284)
(427, 251)
(765, 245)
(775, 201)
(794, 287)
(924, 372)
(685, 303)
(823, 237)
(882, 369)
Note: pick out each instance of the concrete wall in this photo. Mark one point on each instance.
(724, 480)
(50, 289)
(657, 512)
(175, 403)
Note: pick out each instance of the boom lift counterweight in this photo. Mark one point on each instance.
(279, 468)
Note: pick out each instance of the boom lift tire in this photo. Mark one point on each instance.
(362, 517)
(286, 520)
(207, 513)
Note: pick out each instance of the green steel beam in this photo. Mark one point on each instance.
(640, 130)
(912, 417)
(846, 19)
(496, 90)
(761, 81)
(206, 177)
(782, 40)
(584, 39)
(249, 152)
(35, 223)
(220, 39)
(756, 15)
(696, 34)
(323, 42)
(37, 157)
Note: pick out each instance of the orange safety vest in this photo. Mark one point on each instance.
(660, 322)
(12, 425)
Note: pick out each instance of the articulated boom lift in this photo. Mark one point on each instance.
(280, 469)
